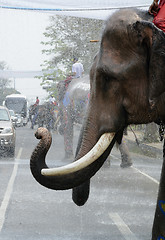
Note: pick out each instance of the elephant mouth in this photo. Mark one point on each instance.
(84, 162)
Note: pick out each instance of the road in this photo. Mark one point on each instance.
(121, 203)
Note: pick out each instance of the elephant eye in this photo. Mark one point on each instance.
(109, 77)
(105, 78)
(106, 73)
(105, 82)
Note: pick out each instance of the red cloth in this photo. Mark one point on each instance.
(37, 102)
(161, 3)
(67, 81)
(159, 19)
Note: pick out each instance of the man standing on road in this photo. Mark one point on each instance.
(77, 68)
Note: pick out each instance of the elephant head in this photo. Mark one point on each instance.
(126, 76)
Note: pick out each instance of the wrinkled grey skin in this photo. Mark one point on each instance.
(124, 80)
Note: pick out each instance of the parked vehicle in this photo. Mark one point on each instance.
(13, 117)
(7, 132)
(18, 103)
(20, 121)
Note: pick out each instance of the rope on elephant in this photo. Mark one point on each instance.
(70, 9)
(136, 139)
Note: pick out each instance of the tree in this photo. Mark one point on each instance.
(5, 84)
(69, 37)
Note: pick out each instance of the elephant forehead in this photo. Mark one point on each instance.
(81, 86)
(119, 34)
(79, 94)
(114, 57)
(121, 18)
(113, 63)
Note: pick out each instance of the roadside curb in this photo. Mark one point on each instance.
(144, 149)
(148, 149)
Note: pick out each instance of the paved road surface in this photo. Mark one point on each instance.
(121, 203)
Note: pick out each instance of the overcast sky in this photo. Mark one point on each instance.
(20, 35)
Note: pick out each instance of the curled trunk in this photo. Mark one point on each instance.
(73, 174)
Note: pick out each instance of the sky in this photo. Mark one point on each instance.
(21, 34)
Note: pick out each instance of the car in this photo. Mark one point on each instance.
(7, 132)
(19, 122)
(13, 117)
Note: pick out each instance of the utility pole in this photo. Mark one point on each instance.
(14, 83)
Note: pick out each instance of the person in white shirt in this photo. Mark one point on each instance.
(52, 99)
(77, 68)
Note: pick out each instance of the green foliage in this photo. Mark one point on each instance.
(3, 65)
(68, 37)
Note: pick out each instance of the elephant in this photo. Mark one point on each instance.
(73, 96)
(42, 115)
(73, 100)
(126, 78)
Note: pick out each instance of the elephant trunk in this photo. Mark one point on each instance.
(71, 175)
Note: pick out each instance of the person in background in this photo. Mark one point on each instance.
(157, 9)
(77, 68)
(52, 100)
(34, 112)
(37, 101)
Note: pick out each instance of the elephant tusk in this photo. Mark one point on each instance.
(83, 162)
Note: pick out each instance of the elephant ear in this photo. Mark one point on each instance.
(154, 38)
